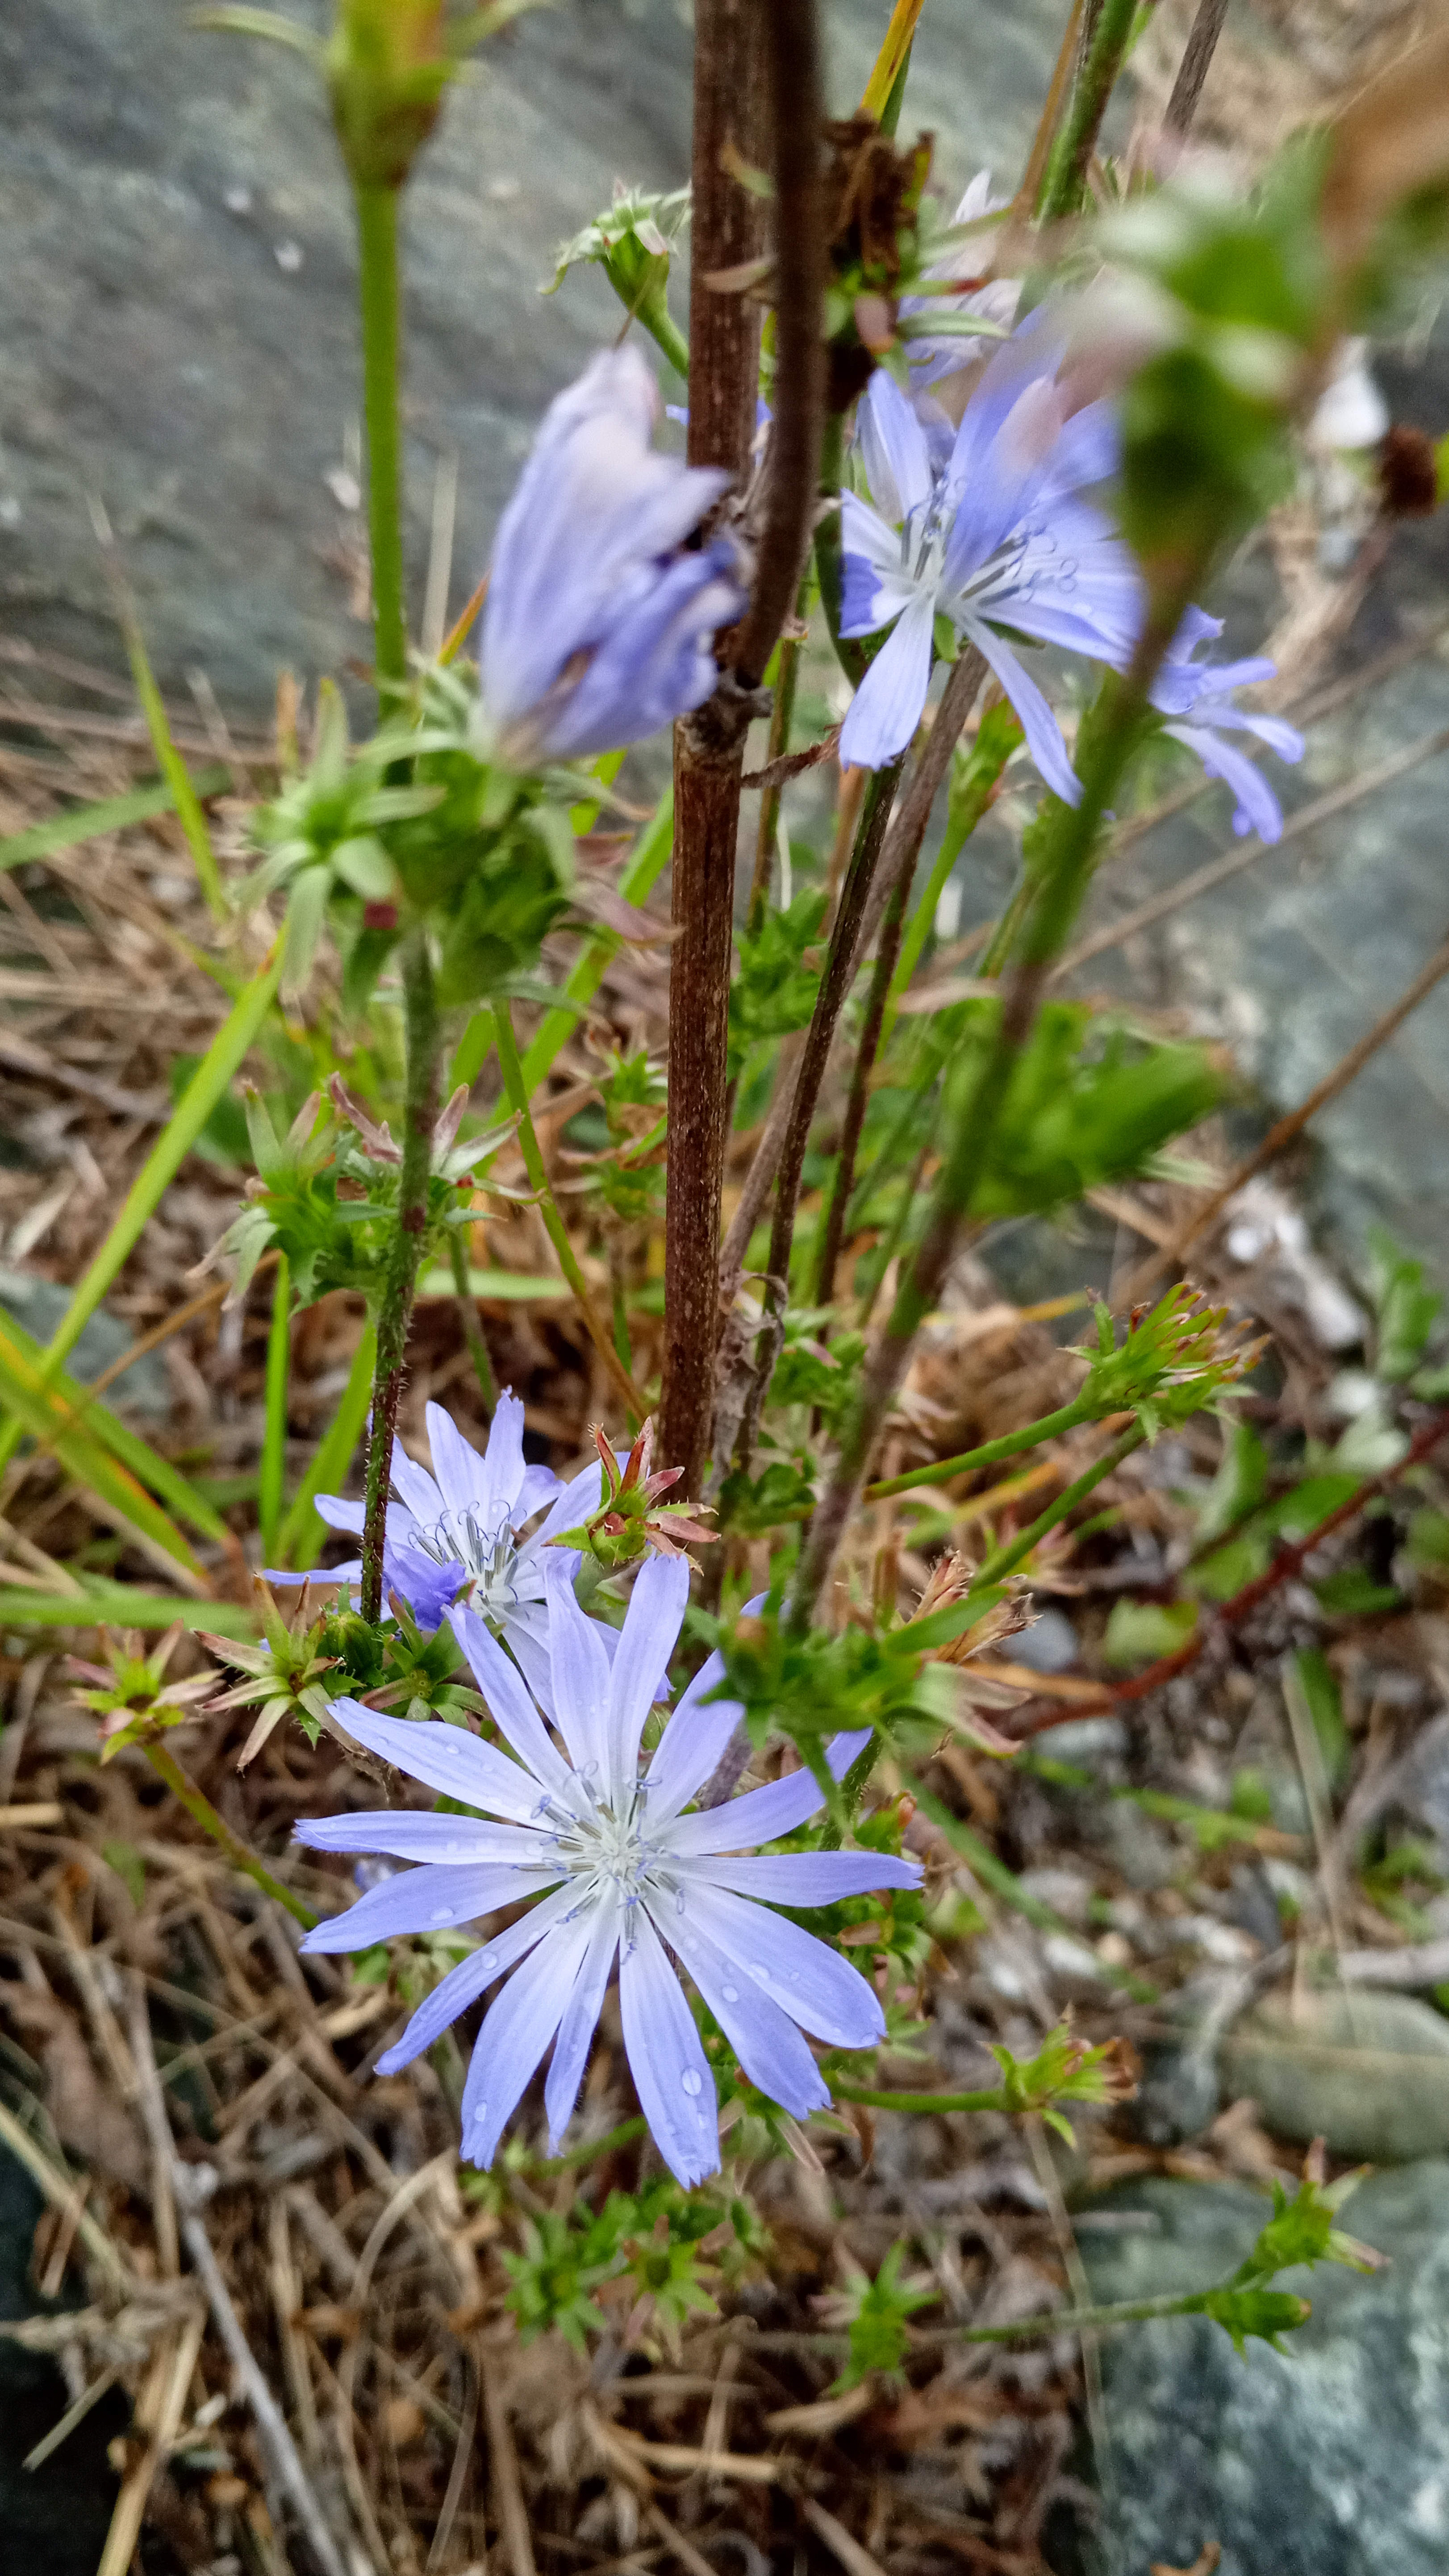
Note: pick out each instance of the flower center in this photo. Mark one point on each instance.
(489, 1555)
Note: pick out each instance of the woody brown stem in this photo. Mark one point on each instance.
(709, 746)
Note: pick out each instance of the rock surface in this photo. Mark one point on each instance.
(1328, 2459)
(1368, 2073)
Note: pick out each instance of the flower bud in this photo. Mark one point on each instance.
(388, 63)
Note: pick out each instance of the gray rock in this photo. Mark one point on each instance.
(1418, 1808)
(1330, 2458)
(1367, 2072)
(38, 1305)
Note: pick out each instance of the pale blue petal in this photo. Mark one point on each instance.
(517, 2028)
(641, 1659)
(446, 1758)
(810, 1878)
(580, 1674)
(419, 1493)
(761, 1814)
(1043, 733)
(429, 1899)
(465, 1983)
(580, 2020)
(657, 660)
(509, 1704)
(539, 1486)
(427, 1587)
(893, 449)
(805, 1977)
(1257, 809)
(1275, 731)
(526, 1633)
(573, 1503)
(689, 1750)
(666, 2059)
(888, 705)
(765, 2040)
(406, 1835)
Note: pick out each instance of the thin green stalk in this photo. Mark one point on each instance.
(468, 1316)
(1119, 2312)
(842, 1188)
(1005, 1559)
(379, 305)
(973, 789)
(787, 675)
(420, 1112)
(1067, 169)
(199, 1807)
(1011, 1443)
(853, 658)
(302, 1533)
(213, 1076)
(274, 1435)
(993, 2098)
(513, 1084)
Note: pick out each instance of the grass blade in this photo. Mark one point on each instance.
(300, 1538)
(173, 768)
(85, 1412)
(41, 1409)
(642, 870)
(116, 1605)
(211, 1078)
(111, 814)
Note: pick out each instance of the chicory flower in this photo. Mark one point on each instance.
(455, 1534)
(599, 620)
(620, 1870)
(1197, 698)
(997, 536)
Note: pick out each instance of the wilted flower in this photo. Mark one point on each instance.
(599, 620)
(455, 1534)
(632, 1517)
(996, 535)
(627, 1871)
(1197, 697)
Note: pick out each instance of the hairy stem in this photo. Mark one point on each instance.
(792, 64)
(420, 1110)
(274, 1437)
(1067, 168)
(708, 746)
(199, 1807)
(378, 295)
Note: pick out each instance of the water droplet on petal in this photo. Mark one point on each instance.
(692, 2080)
(441, 1914)
(489, 1961)
(679, 1901)
(731, 1994)
(761, 1975)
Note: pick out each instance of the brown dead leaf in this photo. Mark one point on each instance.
(89, 2120)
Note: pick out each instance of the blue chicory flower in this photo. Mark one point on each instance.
(599, 620)
(996, 535)
(455, 1534)
(620, 1869)
(1197, 699)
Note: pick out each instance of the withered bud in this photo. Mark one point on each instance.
(1408, 472)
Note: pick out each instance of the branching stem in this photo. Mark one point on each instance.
(420, 1110)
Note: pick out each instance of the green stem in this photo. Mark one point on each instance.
(1004, 1560)
(1120, 2312)
(420, 1008)
(274, 1436)
(199, 1807)
(598, 1331)
(1066, 171)
(665, 332)
(642, 870)
(468, 1316)
(993, 2099)
(1010, 1445)
(787, 675)
(378, 297)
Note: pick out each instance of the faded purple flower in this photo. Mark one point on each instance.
(621, 1871)
(995, 536)
(599, 619)
(950, 346)
(1197, 698)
